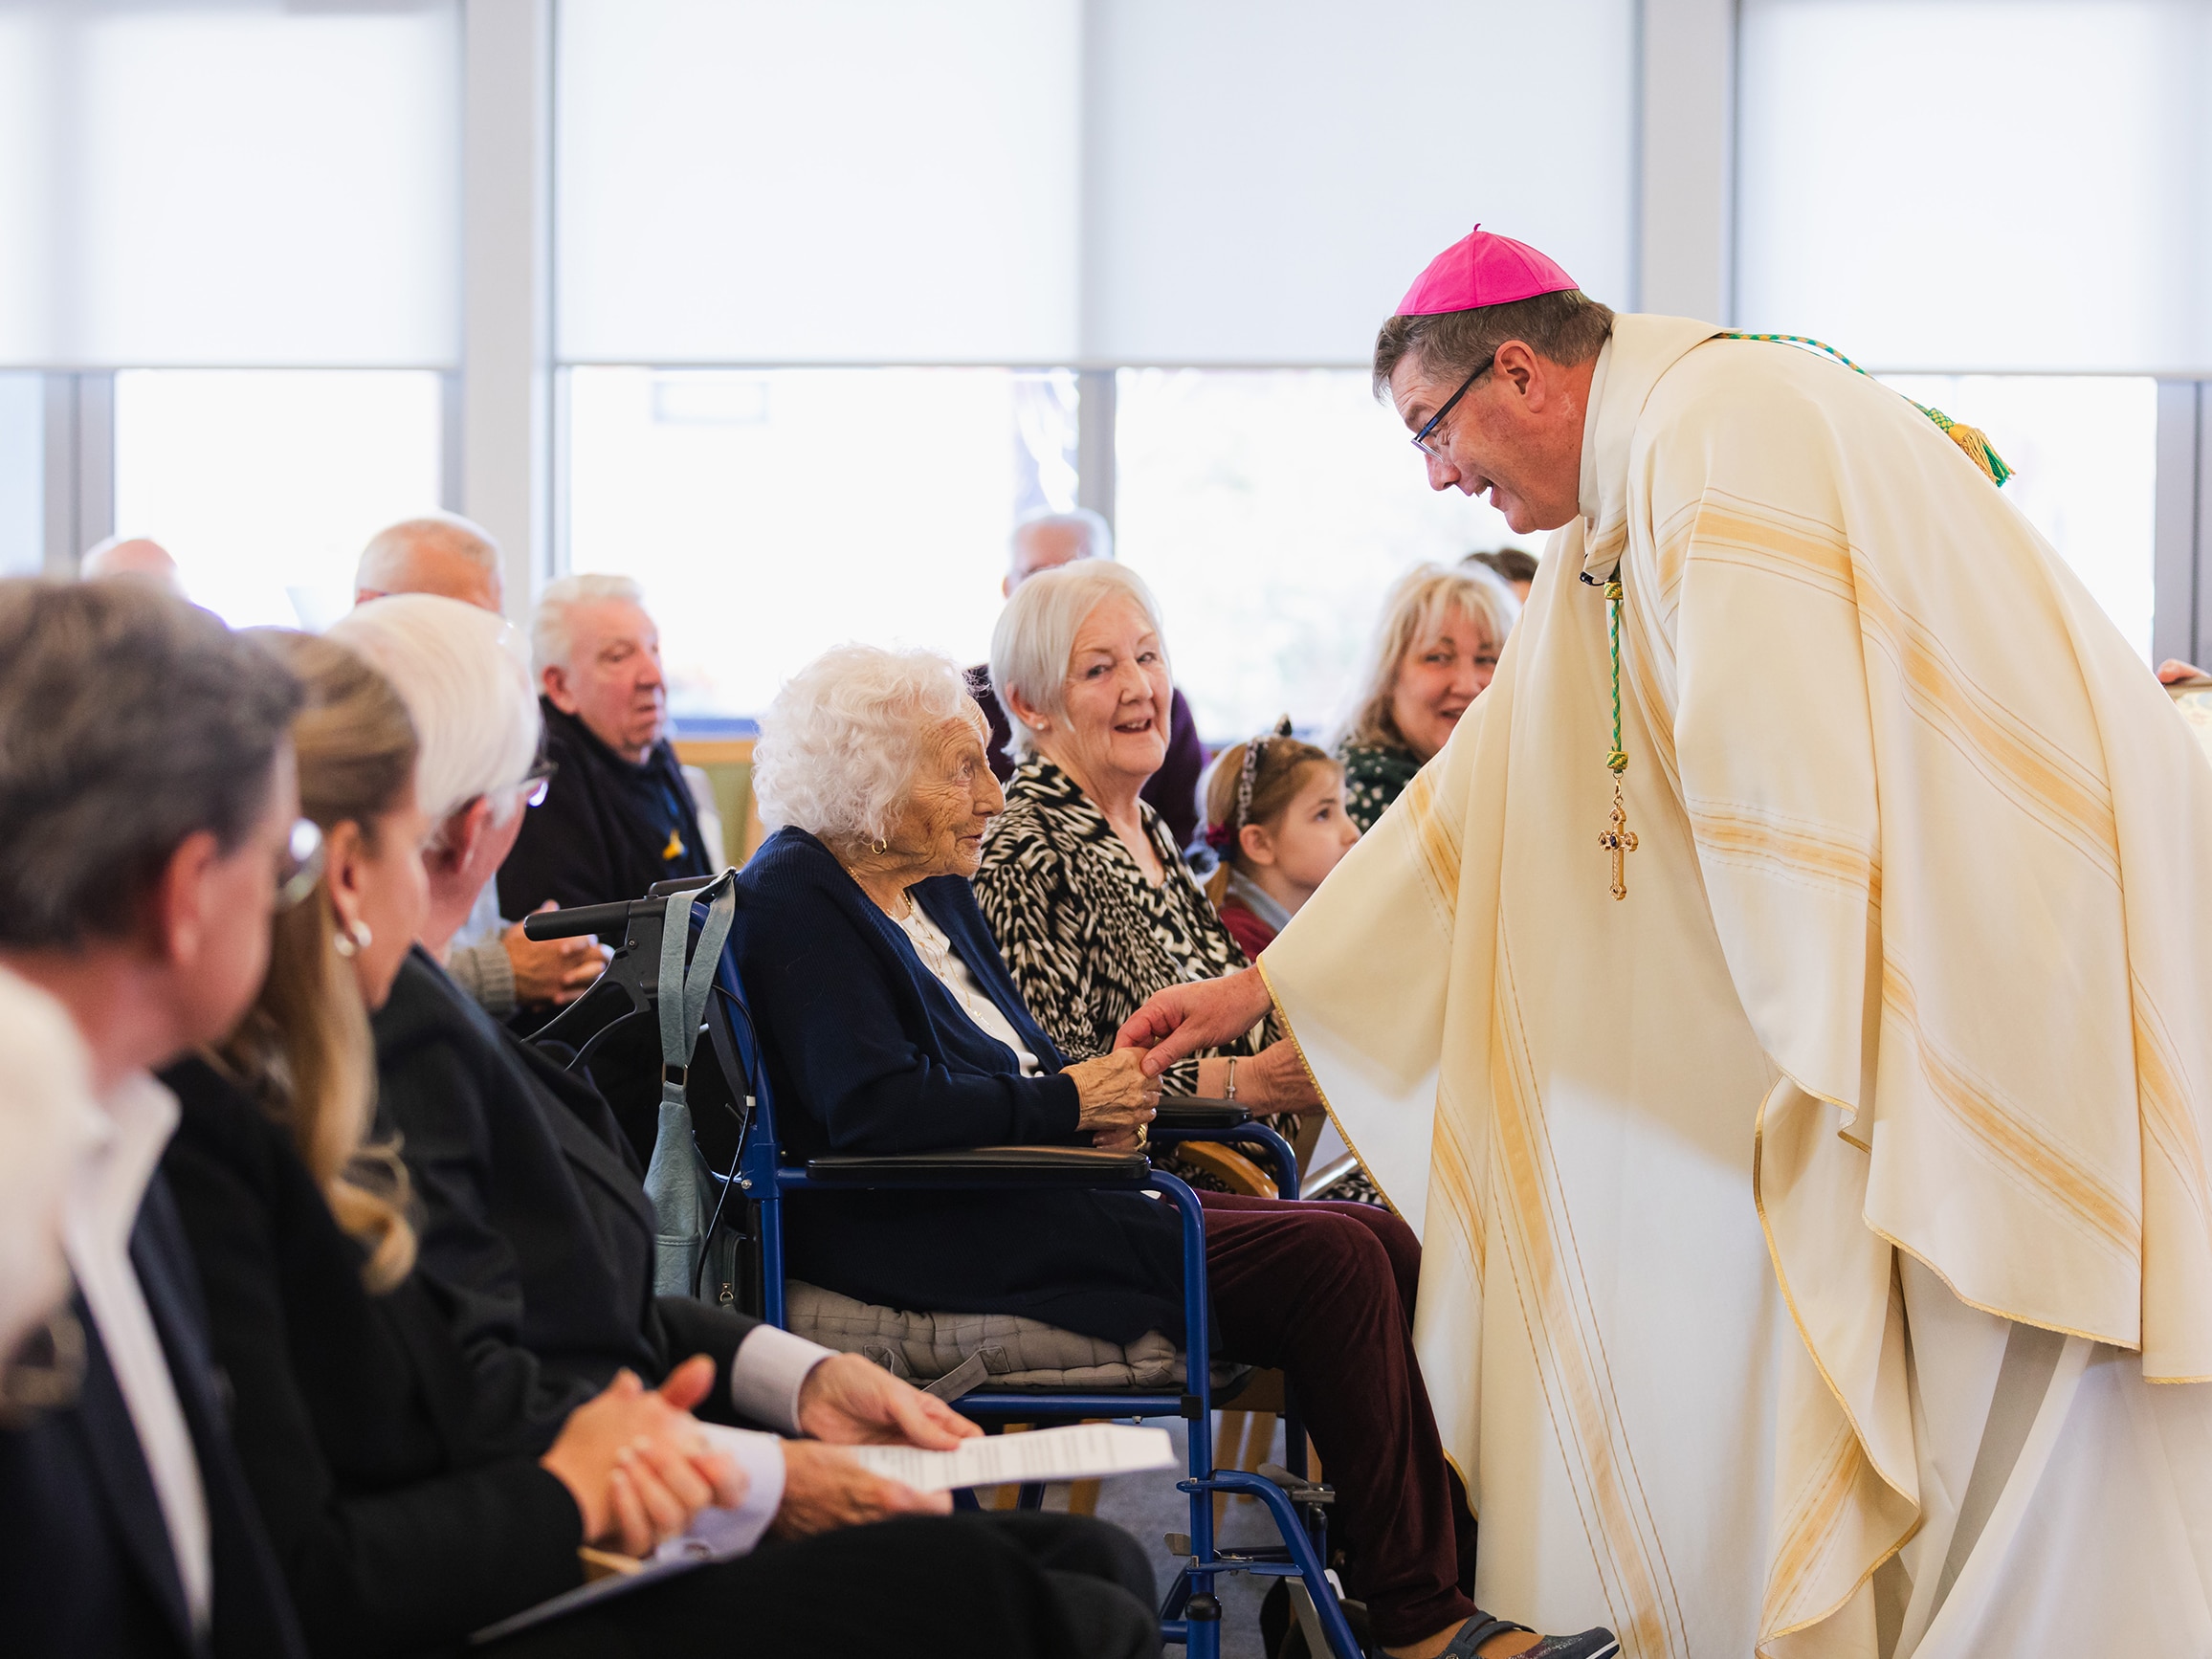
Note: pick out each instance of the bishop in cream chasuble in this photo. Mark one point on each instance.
(1818, 1238)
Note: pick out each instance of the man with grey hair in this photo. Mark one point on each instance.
(148, 825)
(443, 554)
(491, 958)
(1044, 542)
(619, 814)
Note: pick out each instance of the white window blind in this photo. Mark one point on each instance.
(1051, 182)
(1267, 176)
(229, 182)
(842, 180)
(1995, 184)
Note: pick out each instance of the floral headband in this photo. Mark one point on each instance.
(1221, 837)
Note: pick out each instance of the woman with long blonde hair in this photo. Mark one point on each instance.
(1435, 647)
(303, 1052)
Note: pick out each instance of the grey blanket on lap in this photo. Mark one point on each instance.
(1019, 1353)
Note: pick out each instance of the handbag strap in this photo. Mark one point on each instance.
(684, 992)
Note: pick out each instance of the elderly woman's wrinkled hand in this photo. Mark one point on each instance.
(1117, 1098)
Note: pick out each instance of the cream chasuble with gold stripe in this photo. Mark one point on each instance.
(1818, 1244)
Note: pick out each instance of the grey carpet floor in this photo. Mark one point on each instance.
(1149, 1507)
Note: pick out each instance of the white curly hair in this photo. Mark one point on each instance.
(840, 746)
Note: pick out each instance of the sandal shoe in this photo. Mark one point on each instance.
(1596, 1643)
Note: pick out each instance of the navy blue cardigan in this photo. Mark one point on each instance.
(868, 1052)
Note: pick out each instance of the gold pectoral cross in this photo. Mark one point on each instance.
(1620, 841)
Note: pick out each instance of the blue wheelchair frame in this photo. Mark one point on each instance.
(1191, 1612)
(758, 1180)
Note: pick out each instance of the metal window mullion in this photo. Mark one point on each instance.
(78, 483)
(2179, 625)
(1682, 208)
(95, 457)
(59, 486)
(1095, 481)
(2201, 638)
(450, 429)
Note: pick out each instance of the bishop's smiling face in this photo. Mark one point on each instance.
(1517, 433)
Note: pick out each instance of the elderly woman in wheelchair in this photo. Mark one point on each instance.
(890, 1025)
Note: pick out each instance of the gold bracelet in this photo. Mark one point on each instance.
(1230, 1092)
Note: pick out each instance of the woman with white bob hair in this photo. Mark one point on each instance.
(1081, 882)
(891, 1024)
(465, 684)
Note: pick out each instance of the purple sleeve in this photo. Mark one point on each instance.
(1173, 790)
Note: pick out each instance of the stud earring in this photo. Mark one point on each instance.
(351, 941)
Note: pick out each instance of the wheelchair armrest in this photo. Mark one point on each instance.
(1189, 1112)
(1215, 1123)
(1008, 1166)
(576, 919)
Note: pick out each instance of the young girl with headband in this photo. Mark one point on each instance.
(1275, 818)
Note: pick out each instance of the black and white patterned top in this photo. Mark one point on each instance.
(1088, 940)
(1086, 936)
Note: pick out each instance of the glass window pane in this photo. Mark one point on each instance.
(247, 182)
(265, 484)
(773, 513)
(2086, 450)
(1269, 510)
(22, 473)
(2019, 185)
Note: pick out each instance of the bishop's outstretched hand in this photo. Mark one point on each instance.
(1184, 1019)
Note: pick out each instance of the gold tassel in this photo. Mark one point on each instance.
(1972, 440)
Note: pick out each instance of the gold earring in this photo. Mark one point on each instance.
(879, 847)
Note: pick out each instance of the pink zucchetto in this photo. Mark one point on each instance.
(1480, 270)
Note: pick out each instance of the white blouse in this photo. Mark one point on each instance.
(937, 953)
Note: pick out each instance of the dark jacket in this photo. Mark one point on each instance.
(869, 1053)
(399, 1524)
(1172, 790)
(608, 830)
(85, 1564)
(535, 1227)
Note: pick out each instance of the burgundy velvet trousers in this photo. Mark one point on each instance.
(1324, 1293)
